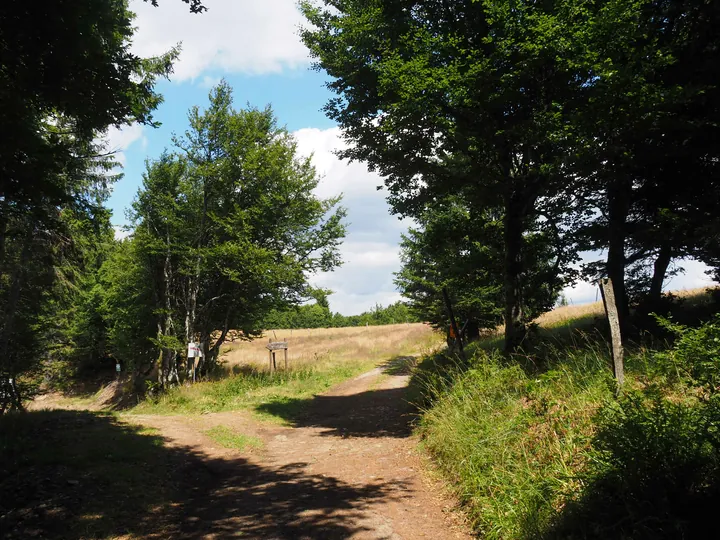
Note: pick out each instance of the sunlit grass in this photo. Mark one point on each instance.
(330, 356)
(227, 438)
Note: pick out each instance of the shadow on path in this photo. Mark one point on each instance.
(70, 474)
(347, 413)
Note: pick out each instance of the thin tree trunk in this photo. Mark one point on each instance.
(659, 272)
(193, 286)
(618, 208)
(513, 235)
(169, 372)
(16, 285)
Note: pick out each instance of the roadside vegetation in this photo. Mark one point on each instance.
(317, 360)
(228, 438)
(540, 445)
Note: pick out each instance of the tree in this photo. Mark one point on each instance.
(230, 229)
(67, 75)
(458, 249)
(459, 98)
(649, 122)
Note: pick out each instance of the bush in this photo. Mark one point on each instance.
(655, 463)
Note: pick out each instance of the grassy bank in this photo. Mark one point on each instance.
(540, 446)
(250, 389)
(510, 438)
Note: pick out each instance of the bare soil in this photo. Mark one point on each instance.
(345, 467)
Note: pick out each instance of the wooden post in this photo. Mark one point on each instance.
(454, 325)
(286, 365)
(270, 356)
(608, 296)
(274, 368)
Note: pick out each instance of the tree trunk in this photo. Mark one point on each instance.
(472, 331)
(659, 272)
(169, 370)
(618, 208)
(513, 236)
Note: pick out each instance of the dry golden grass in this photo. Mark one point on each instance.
(321, 346)
(565, 314)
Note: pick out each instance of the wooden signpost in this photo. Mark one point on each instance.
(608, 296)
(273, 346)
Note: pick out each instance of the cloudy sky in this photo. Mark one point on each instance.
(254, 45)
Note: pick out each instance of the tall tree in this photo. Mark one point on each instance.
(67, 75)
(464, 97)
(650, 125)
(230, 227)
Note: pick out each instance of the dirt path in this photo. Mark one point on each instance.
(347, 468)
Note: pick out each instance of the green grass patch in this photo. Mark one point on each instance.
(251, 390)
(227, 438)
(511, 439)
(540, 445)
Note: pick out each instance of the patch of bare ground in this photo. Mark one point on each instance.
(344, 466)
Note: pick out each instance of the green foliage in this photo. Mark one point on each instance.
(511, 440)
(55, 177)
(657, 464)
(55, 104)
(250, 389)
(128, 306)
(557, 127)
(695, 358)
(226, 230)
(464, 104)
(539, 445)
(457, 248)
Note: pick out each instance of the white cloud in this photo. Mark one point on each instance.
(582, 293)
(118, 140)
(370, 251)
(693, 277)
(351, 179)
(209, 82)
(121, 233)
(232, 36)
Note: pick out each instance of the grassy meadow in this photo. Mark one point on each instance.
(318, 359)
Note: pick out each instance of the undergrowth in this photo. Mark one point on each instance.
(510, 436)
(542, 446)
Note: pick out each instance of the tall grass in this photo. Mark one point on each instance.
(323, 347)
(541, 446)
(510, 438)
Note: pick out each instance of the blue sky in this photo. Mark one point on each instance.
(254, 45)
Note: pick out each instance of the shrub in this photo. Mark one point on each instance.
(655, 467)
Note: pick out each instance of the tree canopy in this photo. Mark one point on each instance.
(226, 228)
(568, 122)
